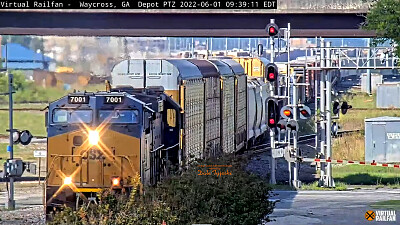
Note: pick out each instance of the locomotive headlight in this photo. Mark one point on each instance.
(93, 137)
(68, 180)
(116, 181)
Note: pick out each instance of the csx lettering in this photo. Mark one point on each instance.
(95, 155)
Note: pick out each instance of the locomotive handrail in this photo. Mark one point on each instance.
(157, 149)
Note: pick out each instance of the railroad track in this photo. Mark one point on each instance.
(384, 109)
(3, 136)
(302, 139)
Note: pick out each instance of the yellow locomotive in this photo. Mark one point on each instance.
(105, 139)
(162, 113)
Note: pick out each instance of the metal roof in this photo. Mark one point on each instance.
(383, 119)
(186, 69)
(235, 66)
(223, 68)
(20, 57)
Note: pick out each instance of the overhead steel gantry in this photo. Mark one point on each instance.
(178, 23)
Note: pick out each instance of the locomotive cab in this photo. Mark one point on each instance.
(107, 140)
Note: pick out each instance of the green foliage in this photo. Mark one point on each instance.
(339, 186)
(240, 198)
(389, 204)
(27, 91)
(366, 175)
(188, 198)
(118, 209)
(384, 18)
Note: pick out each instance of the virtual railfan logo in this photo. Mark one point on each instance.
(381, 215)
(214, 170)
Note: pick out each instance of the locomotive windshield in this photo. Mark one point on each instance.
(70, 116)
(119, 116)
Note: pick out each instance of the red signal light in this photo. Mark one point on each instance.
(304, 112)
(272, 30)
(272, 121)
(271, 76)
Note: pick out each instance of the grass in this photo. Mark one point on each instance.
(389, 204)
(339, 186)
(20, 151)
(360, 99)
(25, 105)
(354, 119)
(366, 175)
(32, 121)
(349, 147)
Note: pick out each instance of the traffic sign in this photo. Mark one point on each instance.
(278, 152)
(40, 153)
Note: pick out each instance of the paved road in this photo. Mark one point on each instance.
(329, 207)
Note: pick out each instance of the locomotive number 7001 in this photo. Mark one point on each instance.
(113, 99)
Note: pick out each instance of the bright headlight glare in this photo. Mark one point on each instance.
(67, 180)
(115, 181)
(93, 137)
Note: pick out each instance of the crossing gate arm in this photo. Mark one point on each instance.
(350, 162)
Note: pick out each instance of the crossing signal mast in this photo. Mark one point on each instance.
(272, 102)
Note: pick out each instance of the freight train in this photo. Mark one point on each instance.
(160, 113)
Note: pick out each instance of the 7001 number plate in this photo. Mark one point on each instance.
(113, 99)
(78, 99)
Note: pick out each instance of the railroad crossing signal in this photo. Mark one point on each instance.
(345, 107)
(336, 107)
(24, 137)
(293, 125)
(282, 125)
(287, 112)
(334, 129)
(272, 29)
(273, 115)
(272, 72)
(305, 112)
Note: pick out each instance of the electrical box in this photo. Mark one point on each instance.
(14, 168)
(382, 139)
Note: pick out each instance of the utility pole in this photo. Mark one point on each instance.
(322, 111)
(287, 90)
(329, 180)
(192, 47)
(296, 182)
(226, 46)
(11, 202)
(369, 86)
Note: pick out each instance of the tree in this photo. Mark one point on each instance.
(27, 41)
(384, 18)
